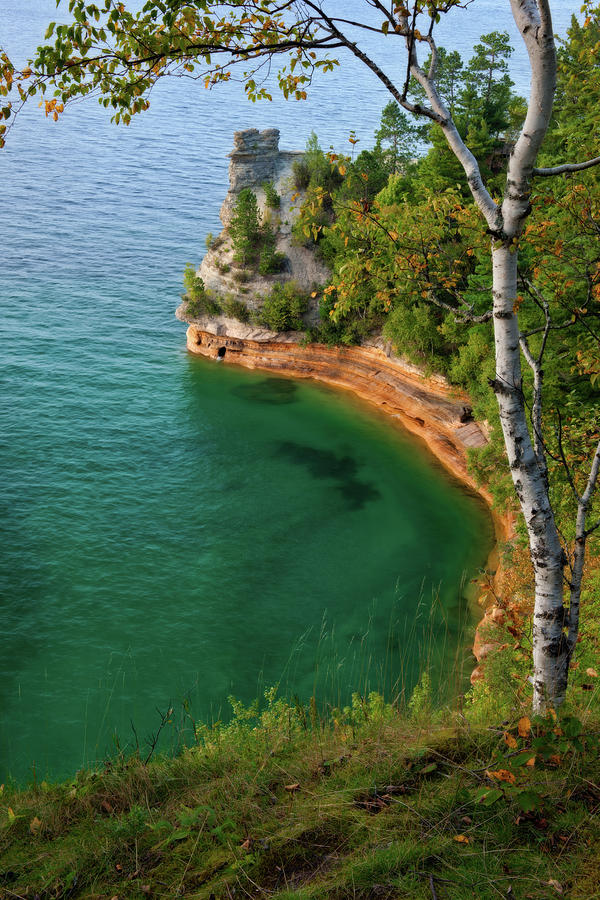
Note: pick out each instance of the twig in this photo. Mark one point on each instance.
(153, 740)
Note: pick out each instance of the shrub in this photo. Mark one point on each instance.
(323, 173)
(199, 300)
(301, 174)
(414, 331)
(241, 276)
(307, 230)
(272, 198)
(245, 229)
(236, 309)
(209, 240)
(283, 308)
(270, 260)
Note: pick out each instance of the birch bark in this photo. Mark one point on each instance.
(552, 650)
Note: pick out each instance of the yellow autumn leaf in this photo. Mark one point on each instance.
(342, 170)
(591, 672)
(509, 740)
(531, 762)
(524, 726)
(461, 839)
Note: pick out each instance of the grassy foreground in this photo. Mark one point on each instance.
(373, 802)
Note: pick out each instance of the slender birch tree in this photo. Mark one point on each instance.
(119, 54)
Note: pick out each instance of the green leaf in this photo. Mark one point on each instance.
(520, 759)
(488, 796)
(529, 800)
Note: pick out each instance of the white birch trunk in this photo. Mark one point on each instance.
(551, 649)
(554, 633)
(551, 653)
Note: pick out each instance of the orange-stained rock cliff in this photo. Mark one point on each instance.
(425, 405)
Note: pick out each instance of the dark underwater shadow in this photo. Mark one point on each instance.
(275, 391)
(327, 465)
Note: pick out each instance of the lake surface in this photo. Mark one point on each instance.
(171, 528)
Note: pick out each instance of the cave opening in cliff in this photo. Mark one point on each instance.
(221, 352)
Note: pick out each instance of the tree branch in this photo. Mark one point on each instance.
(566, 168)
(563, 458)
(463, 315)
(581, 535)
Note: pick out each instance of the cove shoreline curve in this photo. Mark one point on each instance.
(427, 406)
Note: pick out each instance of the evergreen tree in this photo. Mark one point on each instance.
(396, 138)
(244, 228)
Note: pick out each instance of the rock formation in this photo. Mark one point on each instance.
(256, 159)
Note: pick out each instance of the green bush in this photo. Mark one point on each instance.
(414, 329)
(241, 276)
(301, 174)
(198, 300)
(272, 198)
(283, 308)
(236, 309)
(270, 260)
(323, 173)
(340, 330)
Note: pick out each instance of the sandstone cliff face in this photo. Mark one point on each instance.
(256, 159)
(425, 406)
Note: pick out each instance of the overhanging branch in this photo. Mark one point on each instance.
(566, 168)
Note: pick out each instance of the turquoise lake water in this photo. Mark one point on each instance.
(172, 528)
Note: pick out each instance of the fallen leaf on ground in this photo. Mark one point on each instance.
(502, 775)
(461, 839)
(524, 726)
(292, 787)
(591, 672)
